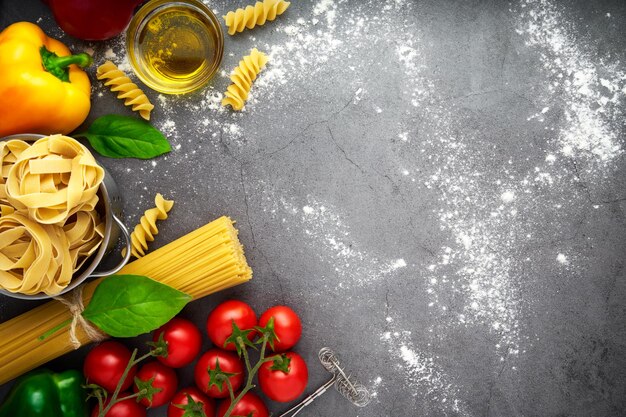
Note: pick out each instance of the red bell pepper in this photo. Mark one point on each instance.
(93, 20)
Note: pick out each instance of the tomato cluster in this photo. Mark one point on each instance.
(283, 378)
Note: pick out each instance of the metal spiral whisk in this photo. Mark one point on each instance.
(347, 385)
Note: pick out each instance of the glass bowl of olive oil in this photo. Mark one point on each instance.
(175, 47)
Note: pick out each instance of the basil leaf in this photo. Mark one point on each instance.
(130, 305)
(117, 136)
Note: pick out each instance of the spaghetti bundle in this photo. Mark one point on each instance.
(200, 263)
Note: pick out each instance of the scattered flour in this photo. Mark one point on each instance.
(374, 387)
(427, 380)
(477, 279)
(109, 54)
(480, 265)
(324, 228)
(472, 284)
(358, 95)
(508, 196)
(590, 88)
(327, 8)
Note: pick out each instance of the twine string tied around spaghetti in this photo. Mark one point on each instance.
(74, 303)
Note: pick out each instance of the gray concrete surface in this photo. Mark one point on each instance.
(437, 187)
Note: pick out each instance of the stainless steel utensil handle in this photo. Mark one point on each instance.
(124, 261)
(308, 400)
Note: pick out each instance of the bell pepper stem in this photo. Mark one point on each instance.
(58, 65)
(82, 60)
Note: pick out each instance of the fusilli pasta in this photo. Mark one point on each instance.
(129, 91)
(256, 15)
(146, 229)
(242, 78)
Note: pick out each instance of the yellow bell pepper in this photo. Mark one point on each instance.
(42, 88)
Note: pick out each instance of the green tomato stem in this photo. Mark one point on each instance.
(251, 373)
(100, 403)
(246, 357)
(114, 398)
(135, 395)
(231, 392)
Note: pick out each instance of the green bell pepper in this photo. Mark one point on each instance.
(43, 393)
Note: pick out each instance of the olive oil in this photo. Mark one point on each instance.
(176, 47)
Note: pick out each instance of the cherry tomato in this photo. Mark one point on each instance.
(229, 362)
(105, 364)
(180, 399)
(165, 379)
(284, 386)
(126, 408)
(249, 403)
(287, 326)
(184, 341)
(219, 324)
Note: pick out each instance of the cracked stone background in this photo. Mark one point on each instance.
(356, 184)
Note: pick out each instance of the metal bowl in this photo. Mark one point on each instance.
(109, 203)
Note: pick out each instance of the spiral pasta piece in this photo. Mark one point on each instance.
(146, 229)
(129, 91)
(242, 78)
(256, 15)
(33, 258)
(53, 179)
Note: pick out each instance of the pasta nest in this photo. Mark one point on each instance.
(33, 257)
(242, 78)
(256, 15)
(127, 90)
(10, 151)
(53, 179)
(85, 232)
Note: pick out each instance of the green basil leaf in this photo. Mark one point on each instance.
(130, 305)
(117, 136)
